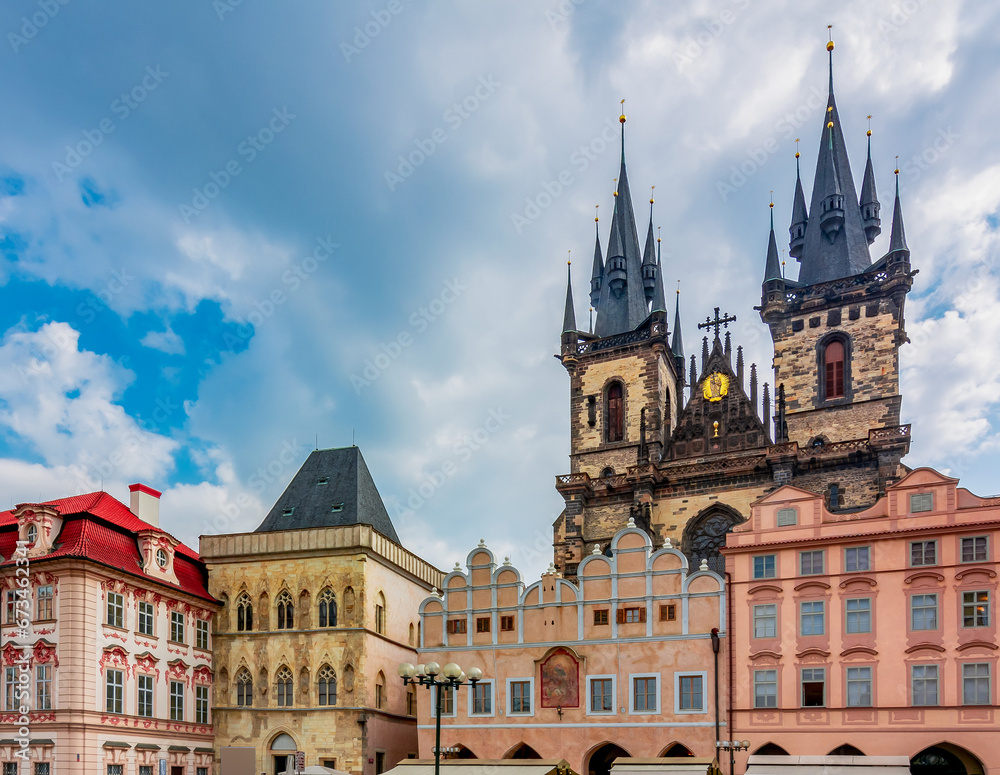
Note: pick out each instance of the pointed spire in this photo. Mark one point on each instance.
(753, 387)
(649, 258)
(569, 317)
(677, 344)
(739, 367)
(772, 266)
(897, 240)
(704, 352)
(694, 374)
(597, 276)
(728, 348)
(869, 200)
(800, 216)
(766, 415)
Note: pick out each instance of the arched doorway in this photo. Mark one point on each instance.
(602, 759)
(465, 753)
(677, 749)
(706, 533)
(522, 751)
(945, 759)
(846, 750)
(770, 749)
(282, 751)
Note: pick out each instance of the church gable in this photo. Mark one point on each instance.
(719, 416)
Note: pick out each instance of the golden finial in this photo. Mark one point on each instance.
(896, 171)
(651, 188)
(569, 253)
(772, 199)
(830, 109)
(621, 118)
(615, 181)
(869, 124)
(829, 125)
(596, 213)
(658, 234)
(829, 46)
(678, 287)
(796, 147)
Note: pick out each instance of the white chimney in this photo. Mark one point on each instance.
(144, 502)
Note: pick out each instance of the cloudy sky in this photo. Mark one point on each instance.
(231, 229)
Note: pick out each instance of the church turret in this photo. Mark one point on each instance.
(569, 316)
(597, 276)
(831, 215)
(869, 201)
(772, 266)
(800, 217)
(649, 260)
(677, 343)
(897, 239)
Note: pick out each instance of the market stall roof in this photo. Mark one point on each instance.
(484, 767)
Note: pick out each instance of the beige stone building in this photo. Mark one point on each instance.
(320, 606)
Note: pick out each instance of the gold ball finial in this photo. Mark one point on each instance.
(796, 154)
(869, 133)
(829, 46)
(597, 209)
(621, 118)
(829, 125)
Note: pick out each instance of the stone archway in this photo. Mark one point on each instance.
(706, 533)
(602, 758)
(945, 759)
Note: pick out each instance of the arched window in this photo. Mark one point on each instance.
(410, 641)
(244, 689)
(283, 687)
(705, 535)
(244, 613)
(286, 611)
(327, 608)
(380, 614)
(380, 690)
(615, 426)
(327, 686)
(833, 367)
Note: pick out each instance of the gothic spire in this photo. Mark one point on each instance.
(597, 276)
(677, 344)
(869, 200)
(659, 297)
(569, 316)
(897, 240)
(649, 260)
(772, 265)
(800, 216)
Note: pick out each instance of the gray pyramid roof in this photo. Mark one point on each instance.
(569, 316)
(897, 240)
(332, 488)
(772, 266)
(677, 344)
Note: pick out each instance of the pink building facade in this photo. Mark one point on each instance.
(620, 665)
(870, 631)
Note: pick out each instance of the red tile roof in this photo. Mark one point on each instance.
(101, 528)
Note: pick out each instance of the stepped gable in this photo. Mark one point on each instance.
(332, 489)
(739, 427)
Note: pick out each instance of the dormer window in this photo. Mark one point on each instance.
(32, 533)
(287, 511)
(323, 480)
(161, 558)
(337, 507)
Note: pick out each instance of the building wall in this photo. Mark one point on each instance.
(555, 619)
(892, 723)
(354, 731)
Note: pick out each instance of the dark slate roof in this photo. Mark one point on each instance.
(347, 487)
(848, 254)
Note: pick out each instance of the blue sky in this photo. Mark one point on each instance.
(230, 229)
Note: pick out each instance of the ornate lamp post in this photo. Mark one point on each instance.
(732, 746)
(427, 675)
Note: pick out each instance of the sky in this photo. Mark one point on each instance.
(231, 231)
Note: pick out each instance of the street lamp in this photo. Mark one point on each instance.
(732, 746)
(427, 675)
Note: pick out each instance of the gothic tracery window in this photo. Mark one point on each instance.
(283, 687)
(705, 535)
(327, 608)
(286, 611)
(327, 686)
(244, 613)
(244, 689)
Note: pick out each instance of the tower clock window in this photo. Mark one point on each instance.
(615, 430)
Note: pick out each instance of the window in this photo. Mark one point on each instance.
(286, 611)
(631, 615)
(520, 696)
(457, 626)
(506, 623)
(974, 549)
(765, 688)
(690, 693)
(644, 694)
(201, 705)
(283, 686)
(812, 618)
(616, 412)
(9, 688)
(144, 625)
(813, 687)
(32, 533)
(787, 517)
(921, 501)
(859, 687)
(380, 614)
(144, 706)
(976, 609)
(43, 687)
(923, 612)
(176, 626)
(924, 683)
(244, 689)
(923, 553)
(765, 621)
(116, 769)
(447, 700)
(10, 768)
(176, 701)
(327, 608)
(145, 769)
(411, 700)
(201, 771)
(45, 602)
(379, 762)
(600, 616)
(116, 609)
(764, 566)
(857, 558)
(859, 615)
(483, 624)
(976, 684)
(668, 613)
(43, 768)
(810, 563)
(602, 698)
(201, 634)
(244, 613)
(114, 681)
(379, 691)
(833, 370)
(327, 686)
(482, 698)
(11, 598)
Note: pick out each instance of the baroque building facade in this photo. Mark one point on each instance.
(107, 645)
(319, 607)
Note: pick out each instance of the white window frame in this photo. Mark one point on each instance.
(202, 689)
(755, 617)
(614, 694)
(139, 616)
(631, 694)
(848, 681)
(848, 612)
(171, 696)
(444, 714)
(138, 695)
(119, 687)
(803, 614)
(777, 695)
(510, 703)
(201, 627)
(177, 617)
(937, 684)
(119, 607)
(493, 698)
(43, 686)
(704, 692)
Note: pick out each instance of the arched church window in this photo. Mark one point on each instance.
(705, 535)
(283, 685)
(615, 430)
(244, 613)
(286, 611)
(327, 608)
(244, 689)
(327, 686)
(833, 369)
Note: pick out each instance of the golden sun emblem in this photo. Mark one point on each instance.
(715, 386)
